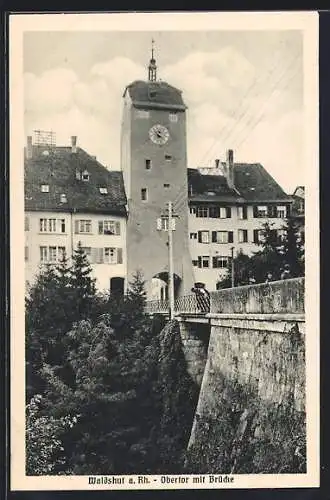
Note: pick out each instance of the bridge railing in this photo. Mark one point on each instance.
(157, 307)
(187, 304)
(276, 297)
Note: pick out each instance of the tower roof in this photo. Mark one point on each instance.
(155, 95)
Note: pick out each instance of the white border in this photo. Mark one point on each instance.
(305, 21)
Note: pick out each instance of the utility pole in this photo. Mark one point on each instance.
(232, 268)
(170, 259)
(167, 223)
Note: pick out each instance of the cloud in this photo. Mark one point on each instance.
(231, 104)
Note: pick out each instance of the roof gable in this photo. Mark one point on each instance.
(252, 182)
(59, 170)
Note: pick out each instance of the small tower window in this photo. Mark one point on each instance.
(85, 175)
(63, 198)
(173, 117)
(168, 157)
(142, 113)
(144, 194)
(148, 164)
(103, 190)
(45, 188)
(166, 186)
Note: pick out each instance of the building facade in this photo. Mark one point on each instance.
(71, 198)
(154, 166)
(228, 206)
(121, 217)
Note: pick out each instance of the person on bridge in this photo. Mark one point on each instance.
(202, 297)
(269, 277)
(286, 273)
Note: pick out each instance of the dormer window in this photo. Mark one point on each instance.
(45, 188)
(103, 190)
(63, 198)
(85, 176)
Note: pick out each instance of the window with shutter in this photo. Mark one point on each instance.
(100, 226)
(228, 212)
(242, 236)
(255, 211)
(119, 256)
(230, 236)
(118, 228)
(199, 261)
(244, 212)
(93, 256)
(203, 237)
(214, 212)
(255, 236)
(76, 226)
(214, 262)
(223, 212)
(26, 223)
(214, 236)
(99, 255)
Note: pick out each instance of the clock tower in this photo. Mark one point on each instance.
(154, 165)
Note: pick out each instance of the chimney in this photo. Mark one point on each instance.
(229, 170)
(29, 147)
(217, 161)
(73, 144)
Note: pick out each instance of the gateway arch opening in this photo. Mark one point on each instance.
(159, 286)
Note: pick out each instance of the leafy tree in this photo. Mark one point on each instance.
(44, 451)
(274, 253)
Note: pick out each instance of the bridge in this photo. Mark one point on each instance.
(267, 308)
(247, 354)
(277, 297)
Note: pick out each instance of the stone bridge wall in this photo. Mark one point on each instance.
(250, 416)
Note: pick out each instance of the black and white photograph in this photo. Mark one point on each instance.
(164, 188)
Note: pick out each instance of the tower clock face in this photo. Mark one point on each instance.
(159, 134)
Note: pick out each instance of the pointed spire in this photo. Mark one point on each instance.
(152, 68)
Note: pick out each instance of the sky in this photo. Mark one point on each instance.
(243, 89)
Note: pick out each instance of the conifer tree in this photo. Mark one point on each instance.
(82, 284)
(293, 249)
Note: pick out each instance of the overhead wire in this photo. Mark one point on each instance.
(239, 112)
(253, 123)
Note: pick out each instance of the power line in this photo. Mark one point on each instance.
(245, 114)
(256, 83)
(232, 115)
(252, 123)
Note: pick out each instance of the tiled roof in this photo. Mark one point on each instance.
(155, 93)
(200, 187)
(252, 182)
(58, 170)
(253, 175)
